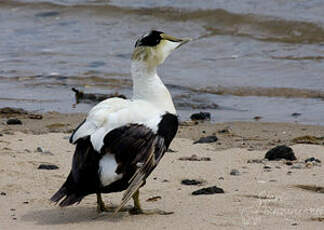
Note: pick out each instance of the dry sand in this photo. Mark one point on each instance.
(257, 198)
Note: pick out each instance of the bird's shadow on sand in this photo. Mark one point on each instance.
(56, 216)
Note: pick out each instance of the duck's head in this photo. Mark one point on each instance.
(154, 47)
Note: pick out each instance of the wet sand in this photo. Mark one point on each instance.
(263, 195)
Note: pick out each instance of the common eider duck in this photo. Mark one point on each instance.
(121, 141)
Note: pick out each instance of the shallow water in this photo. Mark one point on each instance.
(252, 58)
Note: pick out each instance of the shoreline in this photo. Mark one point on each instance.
(264, 194)
(251, 135)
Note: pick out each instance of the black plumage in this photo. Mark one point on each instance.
(136, 149)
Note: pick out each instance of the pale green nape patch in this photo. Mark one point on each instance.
(152, 56)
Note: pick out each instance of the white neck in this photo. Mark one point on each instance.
(148, 86)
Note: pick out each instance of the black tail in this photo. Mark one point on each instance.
(67, 192)
(83, 178)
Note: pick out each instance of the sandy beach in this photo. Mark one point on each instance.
(260, 195)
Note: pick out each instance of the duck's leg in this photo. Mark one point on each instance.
(138, 210)
(101, 207)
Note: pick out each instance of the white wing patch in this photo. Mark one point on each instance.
(107, 170)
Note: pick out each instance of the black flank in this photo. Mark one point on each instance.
(131, 144)
(83, 178)
(168, 128)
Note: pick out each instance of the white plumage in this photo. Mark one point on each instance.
(122, 141)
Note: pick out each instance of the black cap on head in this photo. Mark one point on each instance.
(151, 39)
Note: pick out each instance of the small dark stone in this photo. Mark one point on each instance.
(171, 151)
(39, 149)
(235, 172)
(257, 118)
(311, 159)
(35, 116)
(3, 194)
(226, 130)
(208, 139)
(26, 202)
(208, 190)
(165, 180)
(267, 167)
(295, 114)
(280, 152)
(191, 182)
(257, 161)
(1, 134)
(14, 121)
(289, 163)
(221, 178)
(200, 116)
(12, 209)
(48, 166)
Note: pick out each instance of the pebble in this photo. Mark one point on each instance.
(295, 114)
(289, 172)
(207, 139)
(267, 167)
(3, 194)
(200, 116)
(14, 121)
(35, 116)
(272, 180)
(171, 151)
(48, 166)
(1, 134)
(235, 172)
(39, 149)
(311, 159)
(208, 190)
(154, 198)
(194, 157)
(221, 178)
(191, 182)
(257, 118)
(258, 161)
(226, 130)
(289, 163)
(278, 167)
(280, 152)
